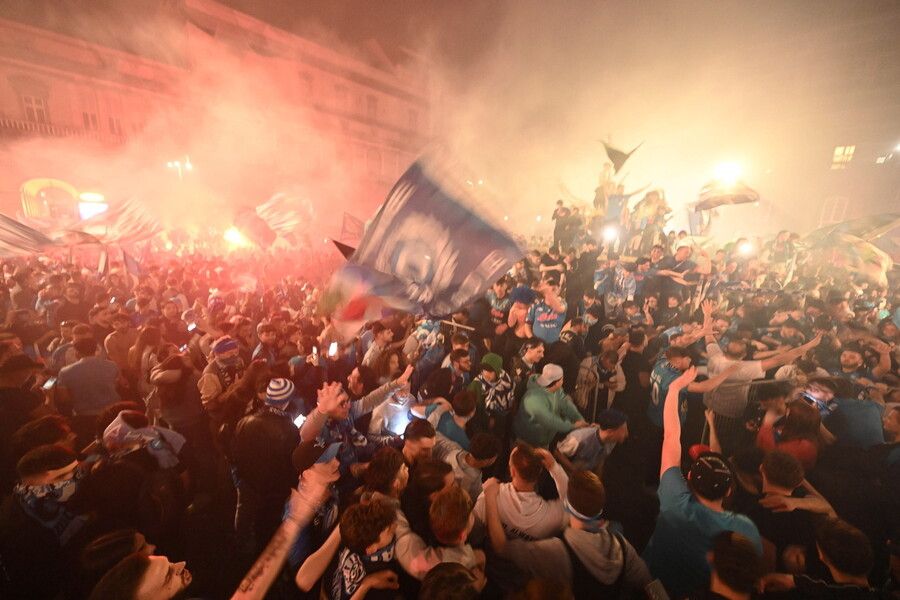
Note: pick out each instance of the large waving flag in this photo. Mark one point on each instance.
(126, 223)
(854, 254)
(352, 228)
(618, 157)
(430, 249)
(17, 239)
(288, 215)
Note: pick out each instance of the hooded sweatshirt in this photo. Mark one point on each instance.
(544, 414)
(600, 553)
(526, 515)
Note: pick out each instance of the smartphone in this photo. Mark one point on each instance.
(192, 326)
(49, 383)
(183, 348)
(332, 349)
(315, 352)
(300, 420)
(112, 300)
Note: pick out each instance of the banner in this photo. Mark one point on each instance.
(429, 249)
(288, 215)
(17, 239)
(126, 223)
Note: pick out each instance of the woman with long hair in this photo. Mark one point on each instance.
(389, 365)
(798, 435)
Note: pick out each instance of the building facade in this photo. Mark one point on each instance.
(196, 83)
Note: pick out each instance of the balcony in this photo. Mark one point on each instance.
(18, 128)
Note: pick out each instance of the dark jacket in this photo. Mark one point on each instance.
(262, 447)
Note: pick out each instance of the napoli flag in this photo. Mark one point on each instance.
(431, 248)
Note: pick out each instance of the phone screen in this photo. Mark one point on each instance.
(332, 349)
(50, 383)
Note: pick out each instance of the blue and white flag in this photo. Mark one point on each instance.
(431, 248)
(17, 239)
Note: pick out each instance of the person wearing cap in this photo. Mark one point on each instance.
(597, 562)
(545, 410)
(691, 511)
(225, 368)
(493, 389)
(586, 448)
(548, 315)
(261, 454)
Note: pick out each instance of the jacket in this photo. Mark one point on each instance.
(544, 414)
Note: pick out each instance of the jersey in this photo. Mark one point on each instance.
(661, 378)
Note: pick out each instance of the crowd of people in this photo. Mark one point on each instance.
(627, 419)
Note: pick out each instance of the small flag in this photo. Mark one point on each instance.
(352, 229)
(128, 222)
(344, 249)
(103, 266)
(132, 266)
(617, 157)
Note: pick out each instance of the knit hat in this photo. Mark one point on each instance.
(710, 476)
(215, 303)
(279, 392)
(551, 374)
(492, 361)
(224, 344)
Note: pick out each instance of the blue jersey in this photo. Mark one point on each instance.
(661, 378)
(546, 323)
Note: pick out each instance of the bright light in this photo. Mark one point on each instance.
(300, 420)
(480, 182)
(610, 233)
(539, 218)
(169, 164)
(188, 166)
(506, 217)
(745, 248)
(86, 210)
(235, 237)
(91, 197)
(727, 171)
(897, 148)
(169, 245)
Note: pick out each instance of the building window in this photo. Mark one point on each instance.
(413, 120)
(372, 107)
(35, 109)
(340, 97)
(833, 210)
(842, 156)
(91, 121)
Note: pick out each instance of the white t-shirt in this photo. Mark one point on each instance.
(730, 400)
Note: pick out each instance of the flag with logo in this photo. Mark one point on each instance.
(430, 249)
(352, 228)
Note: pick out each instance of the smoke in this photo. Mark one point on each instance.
(698, 83)
(237, 111)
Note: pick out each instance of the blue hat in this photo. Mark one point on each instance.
(523, 294)
(279, 392)
(224, 344)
